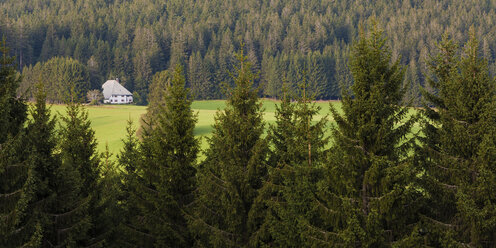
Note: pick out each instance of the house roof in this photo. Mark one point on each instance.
(112, 87)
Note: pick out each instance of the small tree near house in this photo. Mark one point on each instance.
(95, 97)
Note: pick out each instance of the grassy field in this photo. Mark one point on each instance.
(109, 121)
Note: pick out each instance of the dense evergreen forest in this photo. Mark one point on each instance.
(133, 39)
(372, 183)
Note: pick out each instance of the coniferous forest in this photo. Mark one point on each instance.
(362, 176)
(134, 39)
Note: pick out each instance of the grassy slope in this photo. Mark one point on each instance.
(109, 121)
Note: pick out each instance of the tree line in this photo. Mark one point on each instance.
(133, 39)
(374, 182)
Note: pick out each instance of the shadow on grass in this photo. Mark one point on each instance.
(203, 130)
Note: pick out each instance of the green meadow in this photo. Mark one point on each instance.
(109, 121)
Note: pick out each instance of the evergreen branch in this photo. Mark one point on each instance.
(456, 159)
(190, 204)
(465, 123)
(438, 222)
(18, 230)
(215, 229)
(164, 221)
(50, 243)
(15, 165)
(64, 230)
(323, 206)
(378, 198)
(442, 167)
(10, 194)
(319, 240)
(127, 243)
(285, 168)
(353, 141)
(446, 155)
(325, 233)
(454, 187)
(276, 185)
(362, 148)
(69, 212)
(278, 202)
(352, 200)
(222, 181)
(96, 241)
(211, 211)
(40, 201)
(466, 245)
(138, 231)
(146, 187)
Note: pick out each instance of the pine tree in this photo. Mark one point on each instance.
(166, 173)
(231, 176)
(295, 165)
(457, 151)
(363, 200)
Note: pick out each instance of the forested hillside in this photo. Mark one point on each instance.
(374, 181)
(134, 39)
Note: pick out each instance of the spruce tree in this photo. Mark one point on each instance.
(12, 109)
(52, 210)
(13, 172)
(130, 231)
(156, 102)
(364, 198)
(165, 177)
(78, 149)
(231, 176)
(458, 149)
(78, 146)
(295, 164)
(109, 212)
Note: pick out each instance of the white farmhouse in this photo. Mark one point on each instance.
(115, 93)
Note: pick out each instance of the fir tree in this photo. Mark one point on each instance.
(232, 174)
(457, 151)
(365, 198)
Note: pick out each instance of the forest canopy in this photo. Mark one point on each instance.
(133, 39)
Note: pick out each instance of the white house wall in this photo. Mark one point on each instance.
(120, 99)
